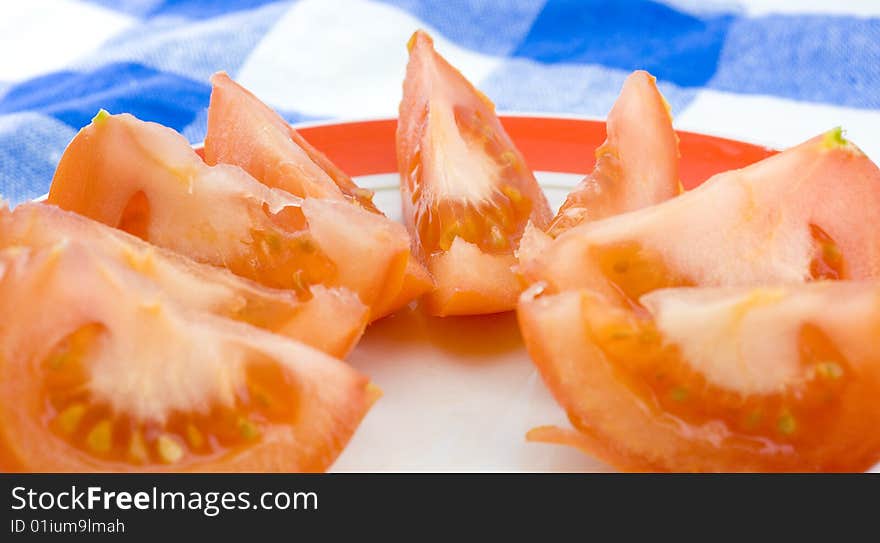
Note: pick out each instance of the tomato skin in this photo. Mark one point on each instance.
(779, 223)
(199, 356)
(619, 421)
(636, 167)
(221, 216)
(245, 132)
(751, 226)
(462, 182)
(41, 226)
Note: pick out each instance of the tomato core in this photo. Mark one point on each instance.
(266, 395)
(795, 415)
(633, 270)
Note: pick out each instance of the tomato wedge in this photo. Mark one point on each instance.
(636, 167)
(467, 193)
(197, 285)
(728, 379)
(145, 179)
(245, 132)
(125, 379)
(801, 215)
(714, 379)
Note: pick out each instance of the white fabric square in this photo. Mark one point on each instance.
(41, 36)
(343, 59)
(777, 122)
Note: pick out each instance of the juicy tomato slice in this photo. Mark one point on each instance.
(467, 193)
(244, 131)
(636, 167)
(146, 179)
(723, 379)
(787, 219)
(196, 285)
(125, 379)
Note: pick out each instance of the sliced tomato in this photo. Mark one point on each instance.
(125, 379)
(802, 215)
(636, 167)
(714, 379)
(146, 179)
(415, 283)
(624, 357)
(197, 285)
(467, 193)
(244, 131)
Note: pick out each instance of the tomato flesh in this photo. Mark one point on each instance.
(631, 352)
(126, 379)
(221, 216)
(267, 395)
(636, 347)
(644, 397)
(494, 220)
(785, 219)
(467, 192)
(636, 167)
(632, 271)
(212, 289)
(827, 261)
(245, 132)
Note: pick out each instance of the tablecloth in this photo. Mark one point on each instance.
(770, 71)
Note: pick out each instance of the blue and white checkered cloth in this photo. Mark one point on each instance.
(771, 71)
